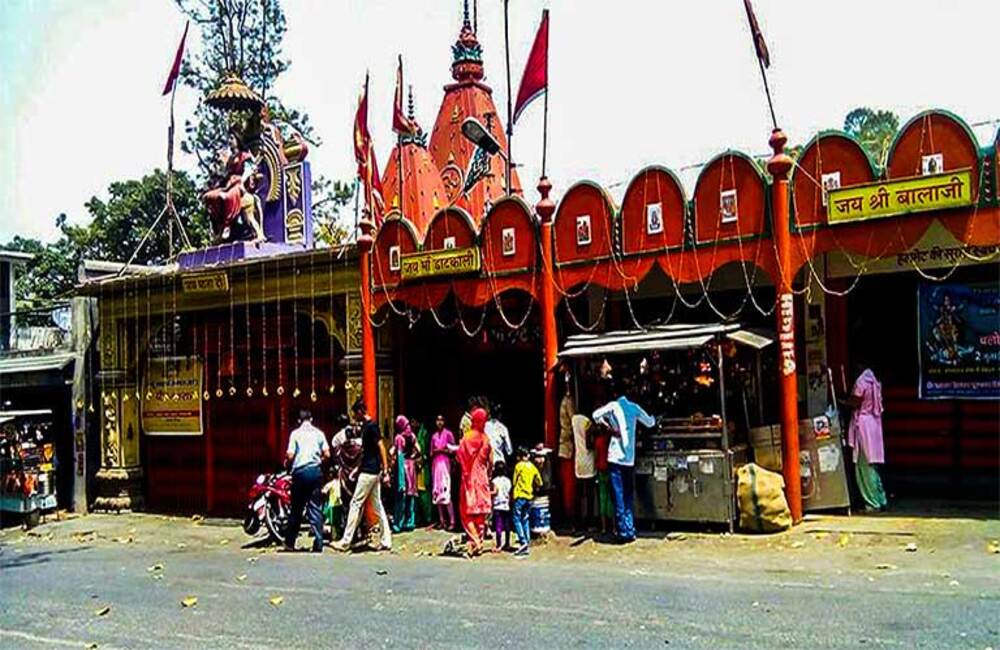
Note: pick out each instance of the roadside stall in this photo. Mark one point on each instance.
(27, 464)
(702, 385)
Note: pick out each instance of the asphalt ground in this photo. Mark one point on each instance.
(120, 582)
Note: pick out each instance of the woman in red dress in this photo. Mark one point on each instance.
(475, 456)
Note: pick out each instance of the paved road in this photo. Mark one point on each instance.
(49, 596)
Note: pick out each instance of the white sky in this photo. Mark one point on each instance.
(632, 82)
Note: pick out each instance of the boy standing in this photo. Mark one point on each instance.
(501, 505)
(526, 481)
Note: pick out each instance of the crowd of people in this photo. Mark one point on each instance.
(437, 479)
(461, 482)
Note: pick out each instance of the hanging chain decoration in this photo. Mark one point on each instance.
(175, 330)
(149, 329)
(263, 327)
(295, 328)
(231, 361)
(218, 361)
(246, 334)
(206, 393)
(277, 323)
(126, 344)
(333, 369)
(312, 328)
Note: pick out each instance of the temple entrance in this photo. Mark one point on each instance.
(440, 368)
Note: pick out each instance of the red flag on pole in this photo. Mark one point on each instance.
(364, 155)
(758, 38)
(175, 69)
(400, 122)
(535, 79)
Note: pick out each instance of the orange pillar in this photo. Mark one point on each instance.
(547, 313)
(369, 390)
(779, 165)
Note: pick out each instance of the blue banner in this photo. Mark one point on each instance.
(959, 337)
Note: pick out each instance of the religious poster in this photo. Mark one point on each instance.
(830, 181)
(171, 403)
(654, 218)
(728, 207)
(959, 338)
(508, 242)
(449, 243)
(394, 258)
(583, 230)
(932, 164)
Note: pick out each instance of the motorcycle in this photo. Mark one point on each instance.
(270, 502)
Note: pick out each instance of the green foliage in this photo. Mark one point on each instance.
(874, 129)
(113, 232)
(245, 36)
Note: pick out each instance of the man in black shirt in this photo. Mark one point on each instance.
(372, 473)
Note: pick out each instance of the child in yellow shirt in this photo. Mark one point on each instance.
(526, 481)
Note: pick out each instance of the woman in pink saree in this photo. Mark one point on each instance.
(442, 448)
(475, 457)
(865, 437)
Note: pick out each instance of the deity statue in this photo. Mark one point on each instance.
(233, 198)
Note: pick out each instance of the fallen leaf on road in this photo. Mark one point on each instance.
(92, 646)
(993, 547)
(190, 601)
(241, 577)
(104, 611)
(843, 540)
(155, 567)
(181, 545)
(276, 600)
(381, 572)
(197, 518)
(223, 542)
(131, 531)
(953, 583)
(821, 535)
(886, 566)
(911, 547)
(798, 544)
(676, 537)
(252, 559)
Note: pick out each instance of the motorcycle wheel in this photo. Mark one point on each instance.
(251, 523)
(276, 520)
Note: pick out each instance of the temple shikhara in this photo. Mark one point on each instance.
(734, 309)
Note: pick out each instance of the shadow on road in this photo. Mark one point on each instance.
(10, 560)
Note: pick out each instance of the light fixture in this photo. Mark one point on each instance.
(477, 134)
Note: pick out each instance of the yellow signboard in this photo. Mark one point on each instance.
(920, 194)
(171, 401)
(447, 262)
(205, 282)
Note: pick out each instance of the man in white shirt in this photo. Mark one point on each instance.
(307, 450)
(499, 436)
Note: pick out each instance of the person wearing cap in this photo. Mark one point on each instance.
(307, 450)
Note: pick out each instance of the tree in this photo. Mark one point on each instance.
(113, 233)
(245, 36)
(874, 129)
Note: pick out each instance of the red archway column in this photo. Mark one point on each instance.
(547, 312)
(369, 390)
(779, 165)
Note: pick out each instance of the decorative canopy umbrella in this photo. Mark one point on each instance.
(234, 95)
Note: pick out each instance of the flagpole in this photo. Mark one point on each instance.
(545, 108)
(510, 124)
(767, 91)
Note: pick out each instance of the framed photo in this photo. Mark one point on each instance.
(830, 182)
(728, 208)
(449, 243)
(583, 230)
(394, 258)
(508, 242)
(654, 218)
(932, 164)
